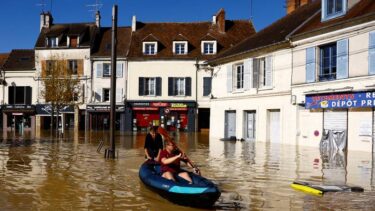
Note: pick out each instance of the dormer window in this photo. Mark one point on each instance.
(180, 47)
(150, 48)
(209, 47)
(333, 8)
(73, 41)
(52, 42)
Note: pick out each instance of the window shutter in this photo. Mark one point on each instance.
(28, 95)
(371, 57)
(269, 71)
(158, 86)
(187, 86)
(170, 86)
(99, 70)
(98, 94)
(342, 59)
(248, 67)
(141, 86)
(119, 70)
(229, 78)
(207, 86)
(44, 69)
(80, 67)
(310, 65)
(119, 95)
(256, 63)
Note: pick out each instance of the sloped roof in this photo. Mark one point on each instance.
(88, 30)
(361, 12)
(3, 58)
(20, 59)
(166, 33)
(104, 40)
(274, 34)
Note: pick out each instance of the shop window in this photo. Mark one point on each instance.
(19, 95)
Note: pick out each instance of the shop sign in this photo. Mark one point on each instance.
(19, 108)
(178, 105)
(103, 108)
(178, 109)
(141, 104)
(145, 109)
(341, 100)
(47, 109)
(159, 104)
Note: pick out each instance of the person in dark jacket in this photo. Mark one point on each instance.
(153, 145)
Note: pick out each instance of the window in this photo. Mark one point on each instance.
(262, 72)
(179, 86)
(106, 70)
(73, 66)
(208, 47)
(19, 95)
(149, 48)
(106, 94)
(328, 57)
(150, 86)
(180, 48)
(238, 76)
(75, 96)
(51, 65)
(207, 86)
(333, 8)
(52, 42)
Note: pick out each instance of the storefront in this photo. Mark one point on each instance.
(65, 116)
(174, 116)
(99, 117)
(351, 112)
(18, 118)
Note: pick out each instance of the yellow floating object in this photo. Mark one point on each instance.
(307, 189)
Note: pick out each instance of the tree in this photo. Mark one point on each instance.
(61, 83)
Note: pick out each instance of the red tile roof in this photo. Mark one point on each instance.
(104, 40)
(3, 58)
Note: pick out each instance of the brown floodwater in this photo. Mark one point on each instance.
(69, 174)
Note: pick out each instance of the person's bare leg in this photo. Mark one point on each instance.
(168, 175)
(186, 176)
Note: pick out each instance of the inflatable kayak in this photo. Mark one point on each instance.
(202, 193)
(321, 189)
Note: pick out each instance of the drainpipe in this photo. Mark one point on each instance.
(196, 93)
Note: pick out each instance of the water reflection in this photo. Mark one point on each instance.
(69, 174)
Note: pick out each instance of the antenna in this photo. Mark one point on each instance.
(42, 4)
(95, 7)
(251, 9)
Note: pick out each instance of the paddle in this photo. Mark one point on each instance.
(164, 133)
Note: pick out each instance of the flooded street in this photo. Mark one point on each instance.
(69, 174)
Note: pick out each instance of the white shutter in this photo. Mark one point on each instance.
(335, 120)
(269, 71)
(98, 94)
(99, 70)
(310, 65)
(248, 69)
(118, 94)
(229, 78)
(119, 70)
(342, 59)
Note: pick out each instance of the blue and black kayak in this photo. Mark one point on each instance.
(202, 193)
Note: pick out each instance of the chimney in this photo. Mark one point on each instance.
(220, 20)
(97, 18)
(134, 23)
(45, 20)
(295, 4)
(214, 20)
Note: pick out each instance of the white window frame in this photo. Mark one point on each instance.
(326, 16)
(150, 86)
(262, 72)
(73, 66)
(109, 70)
(235, 74)
(180, 84)
(145, 51)
(49, 43)
(175, 43)
(214, 50)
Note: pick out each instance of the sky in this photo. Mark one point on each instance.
(20, 19)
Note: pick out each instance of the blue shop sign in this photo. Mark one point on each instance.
(341, 100)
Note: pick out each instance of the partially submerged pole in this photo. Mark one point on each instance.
(110, 153)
